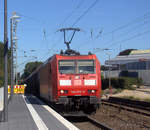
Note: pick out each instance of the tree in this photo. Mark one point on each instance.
(103, 67)
(29, 68)
(2, 64)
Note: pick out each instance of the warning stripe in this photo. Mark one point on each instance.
(38, 121)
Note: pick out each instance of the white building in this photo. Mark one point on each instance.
(136, 64)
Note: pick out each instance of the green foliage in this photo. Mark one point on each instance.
(2, 64)
(122, 82)
(131, 98)
(147, 99)
(103, 67)
(102, 77)
(29, 68)
(1, 81)
(119, 90)
(132, 81)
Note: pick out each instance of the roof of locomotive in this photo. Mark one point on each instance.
(59, 56)
(75, 56)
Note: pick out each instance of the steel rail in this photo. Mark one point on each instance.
(98, 124)
(125, 107)
(128, 102)
(87, 118)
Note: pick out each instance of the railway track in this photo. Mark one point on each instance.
(109, 117)
(98, 124)
(87, 123)
(140, 107)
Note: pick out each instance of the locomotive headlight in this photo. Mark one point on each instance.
(93, 91)
(61, 91)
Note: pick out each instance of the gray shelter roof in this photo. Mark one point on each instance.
(128, 59)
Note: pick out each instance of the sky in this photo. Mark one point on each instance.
(113, 24)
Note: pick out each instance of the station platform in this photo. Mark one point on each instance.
(30, 113)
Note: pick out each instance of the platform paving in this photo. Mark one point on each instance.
(19, 117)
(29, 113)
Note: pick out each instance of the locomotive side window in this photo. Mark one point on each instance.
(86, 66)
(67, 66)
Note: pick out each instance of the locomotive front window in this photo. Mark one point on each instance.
(66, 66)
(85, 66)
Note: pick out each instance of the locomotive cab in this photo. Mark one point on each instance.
(72, 82)
(79, 81)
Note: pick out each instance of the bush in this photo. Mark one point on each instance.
(1, 82)
(102, 77)
(122, 83)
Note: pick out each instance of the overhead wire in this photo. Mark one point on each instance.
(117, 29)
(128, 24)
(128, 31)
(44, 34)
(81, 16)
(68, 16)
(31, 18)
(130, 38)
(125, 40)
(138, 19)
(72, 12)
(111, 32)
(135, 28)
(85, 12)
(37, 20)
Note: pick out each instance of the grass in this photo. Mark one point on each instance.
(131, 97)
(114, 91)
(147, 99)
(102, 92)
(119, 90)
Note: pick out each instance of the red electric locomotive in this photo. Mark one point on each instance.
(73, 81)
(69, 79)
